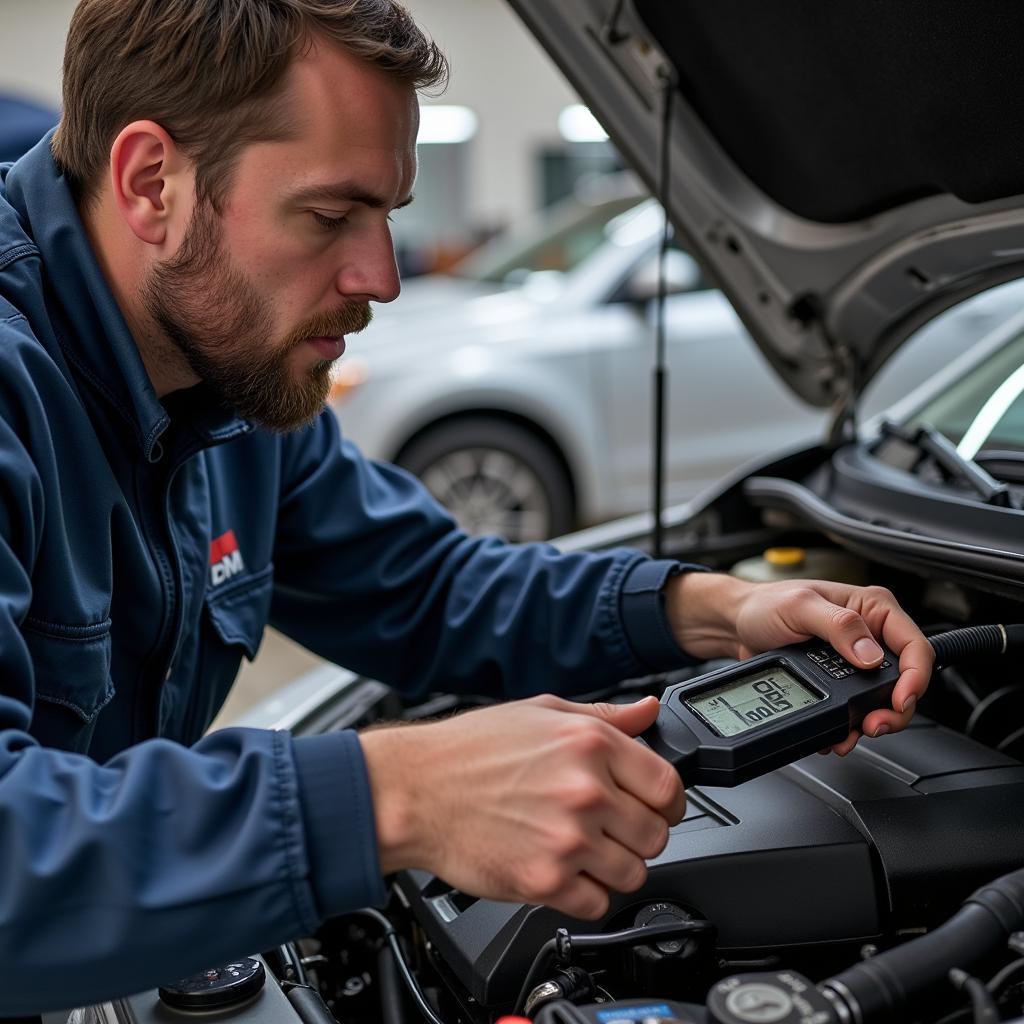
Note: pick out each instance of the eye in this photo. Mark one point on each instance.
(328, 223)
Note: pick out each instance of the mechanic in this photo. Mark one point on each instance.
(179, 263)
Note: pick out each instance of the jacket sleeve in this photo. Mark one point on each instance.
(370, 572)
(164, 860)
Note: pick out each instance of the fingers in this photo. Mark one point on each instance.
(916, 659)
(605, 865)
(843, 627)
(615, 808)
(611, 865)
(631, 719)
(581, 898)
(613, 860)
(842, 749)
(878, 723)
(651, 779)
(634, 767)
(851, 632)
(635, 826)
(902, 636)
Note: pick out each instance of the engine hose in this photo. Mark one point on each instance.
(974, 641)
(983, 1006)
(392, 1010)
(309, 1005)
(889, 985)
(391, 937)
(292, 962)
(562, 946)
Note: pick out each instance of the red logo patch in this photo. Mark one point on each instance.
(225, 558)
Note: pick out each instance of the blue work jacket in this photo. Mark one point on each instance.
(144, 546)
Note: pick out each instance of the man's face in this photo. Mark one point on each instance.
(259, 298)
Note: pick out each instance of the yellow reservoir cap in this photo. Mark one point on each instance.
(785, 556)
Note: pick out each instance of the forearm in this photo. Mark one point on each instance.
(426, 607)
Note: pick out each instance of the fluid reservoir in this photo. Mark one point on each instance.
(802, 564)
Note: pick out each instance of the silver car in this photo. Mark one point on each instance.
(519, 388)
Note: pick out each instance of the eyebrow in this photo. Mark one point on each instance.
(344, 192)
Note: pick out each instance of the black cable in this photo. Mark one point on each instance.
(1004, 977)
(564, 945)
(290, 958)
(640, 935)
(989, 701)
(957, 684)
(982, 1003)
(1007, 743)
(541, 964)
(392, 1007)
(962, 1014)
(610, 30)
(391, 937)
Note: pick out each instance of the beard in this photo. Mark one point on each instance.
(211, 314)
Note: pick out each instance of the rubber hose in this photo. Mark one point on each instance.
(392, 1008)
(309, 1005)
(959, 644)
(888, 985)
(975, 641)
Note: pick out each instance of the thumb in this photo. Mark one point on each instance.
(632, 719)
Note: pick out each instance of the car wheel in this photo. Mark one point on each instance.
(495, 478)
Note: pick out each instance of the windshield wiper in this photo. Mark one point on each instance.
(936, 447)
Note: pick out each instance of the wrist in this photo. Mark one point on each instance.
(702, 610)
(395, 777)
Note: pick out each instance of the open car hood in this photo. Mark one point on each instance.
(843, 171)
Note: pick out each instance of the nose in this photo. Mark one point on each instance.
(369, 272)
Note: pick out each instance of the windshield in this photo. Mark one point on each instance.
(567, 235)
(984, 409)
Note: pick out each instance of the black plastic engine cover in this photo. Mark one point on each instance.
(829, 850)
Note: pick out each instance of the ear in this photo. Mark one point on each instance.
(150, 182)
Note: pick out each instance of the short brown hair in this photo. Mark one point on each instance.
(208, 72)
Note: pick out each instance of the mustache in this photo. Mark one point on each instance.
(349, 319)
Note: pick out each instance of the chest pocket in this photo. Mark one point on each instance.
(238, 611)
(234, 617)
(72, 680)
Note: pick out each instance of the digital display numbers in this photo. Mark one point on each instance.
(752, 700)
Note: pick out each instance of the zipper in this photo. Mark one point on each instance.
(164, 549)
(148, 700)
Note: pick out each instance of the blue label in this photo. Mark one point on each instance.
(634, 1013)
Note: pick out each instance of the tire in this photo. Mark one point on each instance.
(495, 477)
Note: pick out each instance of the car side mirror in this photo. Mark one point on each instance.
(681, 275)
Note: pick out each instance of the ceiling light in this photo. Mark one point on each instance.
(578, 124)
(440, 123)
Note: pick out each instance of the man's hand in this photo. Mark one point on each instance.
(714, 615)
(536, 801)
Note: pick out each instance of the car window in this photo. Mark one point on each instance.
(565, 238)
(985, 407)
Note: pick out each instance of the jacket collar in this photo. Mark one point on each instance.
(93, 333)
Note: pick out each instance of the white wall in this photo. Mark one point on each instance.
(32, 45)
(502, 73)
(497, 70)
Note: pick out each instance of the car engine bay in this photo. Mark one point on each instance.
(815, 868)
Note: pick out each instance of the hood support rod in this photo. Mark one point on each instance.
(660, 362)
